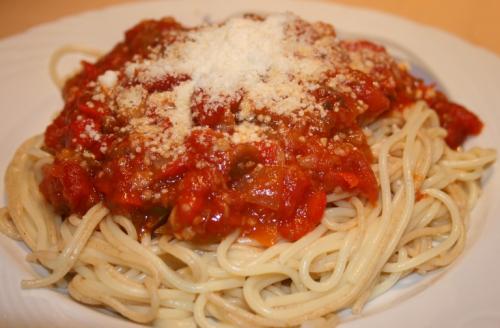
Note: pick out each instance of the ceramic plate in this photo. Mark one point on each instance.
(467, 294)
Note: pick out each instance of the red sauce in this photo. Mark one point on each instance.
(267, 189)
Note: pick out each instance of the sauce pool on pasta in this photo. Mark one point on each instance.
(244, 159)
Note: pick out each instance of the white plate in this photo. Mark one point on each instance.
(465, 295)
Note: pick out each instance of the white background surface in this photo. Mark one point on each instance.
(465, 295)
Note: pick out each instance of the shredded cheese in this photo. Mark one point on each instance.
(274, 64)
(108, 79)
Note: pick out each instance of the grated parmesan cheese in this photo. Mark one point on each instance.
(274, 64)
(108, 79)
(248, 132)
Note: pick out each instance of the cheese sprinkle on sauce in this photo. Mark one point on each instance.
(247, 125)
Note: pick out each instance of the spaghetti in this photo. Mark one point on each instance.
(359, 249)
(56, 57)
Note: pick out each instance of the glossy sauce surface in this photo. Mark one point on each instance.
(270, 188)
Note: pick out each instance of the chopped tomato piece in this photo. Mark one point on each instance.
(306, 218)
(68, 187)
(458, 122)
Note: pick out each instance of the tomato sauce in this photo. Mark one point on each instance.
(269, 190)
